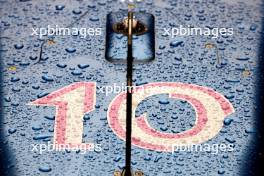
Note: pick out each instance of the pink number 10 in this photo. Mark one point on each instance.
(77, 99)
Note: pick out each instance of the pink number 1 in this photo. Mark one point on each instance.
(71, 102)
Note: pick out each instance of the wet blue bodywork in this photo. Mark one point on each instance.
(73, 59)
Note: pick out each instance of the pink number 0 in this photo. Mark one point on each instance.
(73, 101)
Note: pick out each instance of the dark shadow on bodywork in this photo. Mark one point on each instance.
(254, 161)
(7, 164)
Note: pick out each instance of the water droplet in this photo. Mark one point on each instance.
(164, 102)
(76, 73)
(176, 43)
(14, 79)
(94, 18)
(83, 66)
(12, 130)
(19, 46)
(59, 7)
(47, 78)
(61, 65)
(45, 168)
(77, 12)
(228, 121)
(70, 50)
